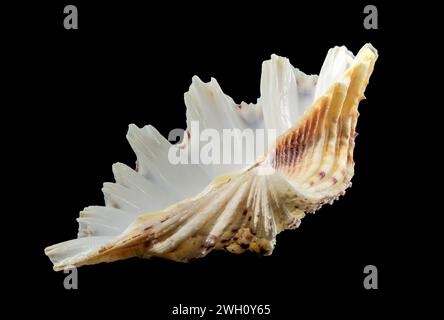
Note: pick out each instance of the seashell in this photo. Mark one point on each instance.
(184, 211)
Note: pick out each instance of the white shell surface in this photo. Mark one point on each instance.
(183, 211)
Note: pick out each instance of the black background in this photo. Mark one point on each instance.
(131, 63)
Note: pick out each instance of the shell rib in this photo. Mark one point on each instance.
(182, 212)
